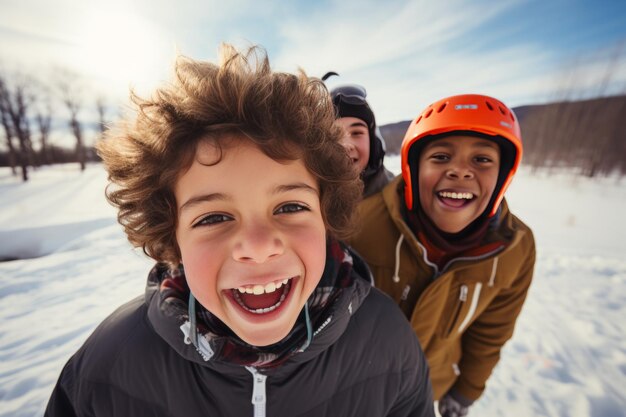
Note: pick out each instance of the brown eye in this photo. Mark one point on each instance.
(213, 219)
(440, 157)
(291, 208)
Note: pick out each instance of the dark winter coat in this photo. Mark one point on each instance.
(365, 361)
(462, 315)
(376, 181)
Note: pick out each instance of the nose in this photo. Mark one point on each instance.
(347, 143)
(258, 242)
(460, 171)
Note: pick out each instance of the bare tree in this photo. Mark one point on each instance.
(42, 110)
(101, 108)
(44, 123)
(69, 88)
(6, 124)
(15, 103)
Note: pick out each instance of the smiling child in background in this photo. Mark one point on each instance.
(442, 242)
(361, 137)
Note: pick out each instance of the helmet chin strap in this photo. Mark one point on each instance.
(193, 331)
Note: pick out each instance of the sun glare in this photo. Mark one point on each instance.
(122, 48)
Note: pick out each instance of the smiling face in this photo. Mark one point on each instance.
(355, 140)
(252, 238)
(457, 176)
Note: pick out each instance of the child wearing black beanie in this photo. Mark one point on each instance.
(362, 138)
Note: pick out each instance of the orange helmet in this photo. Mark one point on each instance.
(470, 114)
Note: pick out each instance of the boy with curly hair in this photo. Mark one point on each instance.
(234, 181)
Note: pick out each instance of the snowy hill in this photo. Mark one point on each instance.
(567, 357)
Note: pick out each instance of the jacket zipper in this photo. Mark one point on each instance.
(462, 299)
(472, 258)
(259, 399)
(472, 308)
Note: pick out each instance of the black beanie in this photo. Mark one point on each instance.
(359, 111)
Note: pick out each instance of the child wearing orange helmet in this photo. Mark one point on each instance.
(447, 248)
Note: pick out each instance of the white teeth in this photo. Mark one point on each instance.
(267, 309)
(262, 289)
(458, 196)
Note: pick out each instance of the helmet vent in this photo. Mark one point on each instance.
(502, 110)
(418, 120)
(489, 106)
(428, 114)
(442, 107)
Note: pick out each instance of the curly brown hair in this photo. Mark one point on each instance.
(288, 116)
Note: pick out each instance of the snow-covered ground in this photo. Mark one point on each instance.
(567, 357)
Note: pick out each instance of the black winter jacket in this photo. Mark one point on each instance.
(366, 362)
(375, 182)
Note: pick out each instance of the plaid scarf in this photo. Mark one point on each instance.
(227, 346)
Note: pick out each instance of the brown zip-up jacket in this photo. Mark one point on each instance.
(462, 315)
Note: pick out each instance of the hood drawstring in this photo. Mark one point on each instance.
(396, 276)
(492, 278)
(309, 327)
(193, 330)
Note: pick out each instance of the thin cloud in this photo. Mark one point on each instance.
(410, 56)
(10, 33)
(352, 38)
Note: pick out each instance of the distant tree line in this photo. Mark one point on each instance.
(587, 135)
(580, 128)
(27, 112)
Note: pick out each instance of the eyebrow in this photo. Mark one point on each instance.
(195, 200)
(283, 188)
(359, 123)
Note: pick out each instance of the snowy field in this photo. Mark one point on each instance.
(567, 357)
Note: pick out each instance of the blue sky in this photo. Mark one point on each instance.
(406, 53)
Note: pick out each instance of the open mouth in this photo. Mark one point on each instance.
(262, 299)
(454, 199)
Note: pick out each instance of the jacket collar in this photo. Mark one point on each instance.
(502, 230)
